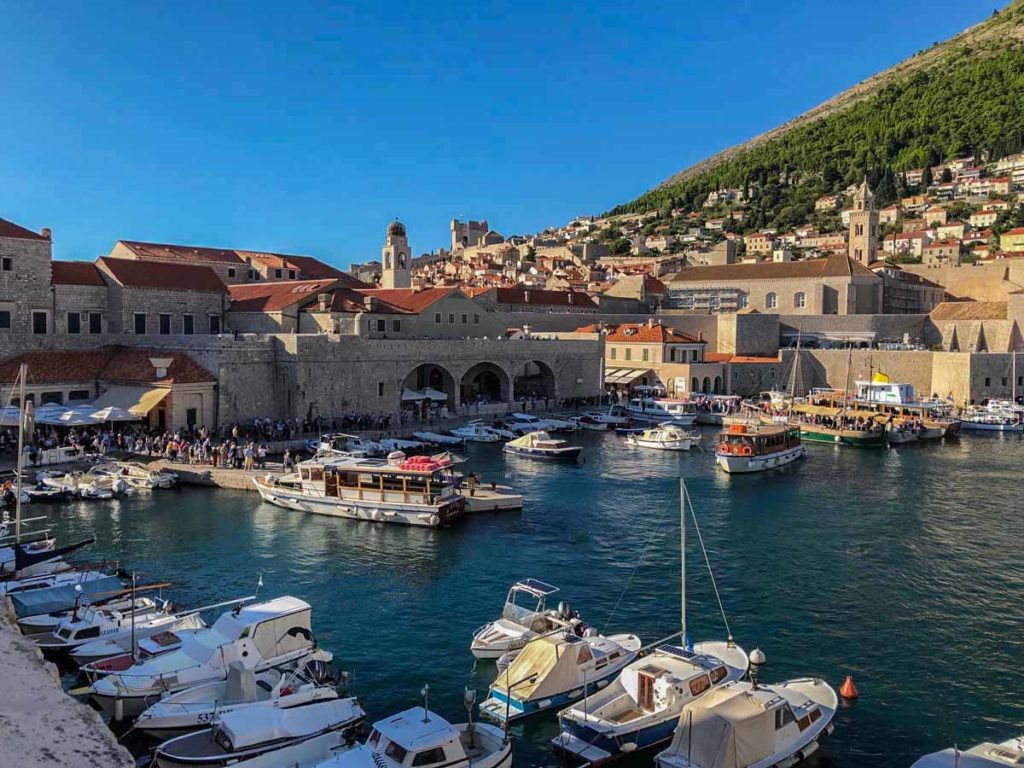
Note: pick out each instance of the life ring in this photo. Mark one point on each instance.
(746, 450)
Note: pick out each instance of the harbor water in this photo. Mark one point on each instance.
(900, 567)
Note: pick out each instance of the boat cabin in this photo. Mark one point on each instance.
(361, 479)
(757, 439)
(885, 392)
(669, 674)
(415, 738)
(526, 604)
(655, 406)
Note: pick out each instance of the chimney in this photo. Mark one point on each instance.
(45, 232)
(370, 302)
(526, 297)
(650, 322)
(162, 364)
(324, 300)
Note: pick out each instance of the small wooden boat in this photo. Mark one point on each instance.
(755, 447)
(540, 445)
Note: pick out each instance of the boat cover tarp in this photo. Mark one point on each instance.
(550, 661)
(53, 599)
(249, 726)
(817, 410)
(725, 728)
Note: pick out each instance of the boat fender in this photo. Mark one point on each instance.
(435, 520)
(590, 632)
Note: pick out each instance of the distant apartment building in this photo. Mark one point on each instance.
(941, 253)
(1012, 241)
(984, 218)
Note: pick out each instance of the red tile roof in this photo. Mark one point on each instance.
(184, 253)
(725, 357)
(542, 297)
(836, 265)
(1017, 231)
(642, 333)
(314, 269)
(154, 274)
(10, 229)
(275, 297)
(76, 273)
(408, 299)
(121, 364)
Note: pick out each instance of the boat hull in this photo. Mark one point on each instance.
(738, 465)
(849, 437)
(662, 445)
(562, 454)
(975, 426)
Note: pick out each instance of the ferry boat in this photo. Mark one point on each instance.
(664, 437)
(895, 401)
(418, 491)
(540, 445)
(837, 425)
(682, 413)
(755, 447)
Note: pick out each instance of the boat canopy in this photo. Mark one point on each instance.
(53, 599)
(535, 587)
(817, 410)
(545, 667)
(726, 728)
(416, 729)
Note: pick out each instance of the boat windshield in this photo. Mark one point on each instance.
(521, 606)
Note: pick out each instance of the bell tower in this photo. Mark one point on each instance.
(396, 259)
(864, 226)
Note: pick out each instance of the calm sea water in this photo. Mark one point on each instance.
(900, 567)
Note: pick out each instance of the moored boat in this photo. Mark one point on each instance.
(540, 445)
(524, 617)
(659, 410)
(839, 426)
(756, 447)
(664, 437)
(984, 755)
(476, 432)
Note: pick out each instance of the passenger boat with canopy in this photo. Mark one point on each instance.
(895, 404)
(746, 725)
(756, 447)
(419, 490)
(664, 437)
(524, 617)
(641, 707)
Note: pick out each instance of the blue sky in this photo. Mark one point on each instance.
(305, 127)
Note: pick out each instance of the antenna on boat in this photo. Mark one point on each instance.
(132, 609)
(682, 559)
(425, 693)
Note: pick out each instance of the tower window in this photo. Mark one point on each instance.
(6, 264)
(231, 271)
(74, 322)
(165, 325)
(95, 322)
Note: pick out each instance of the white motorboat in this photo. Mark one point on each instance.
(554, 670)
(524, 617)
(615, 417)
(395, 444)
(419, 490)
(142, 478)
(744, 725)
(526, 422)
(198, 707)
(984, 755)
(664, 437)
(47, 622)
(436, 438)
(119, 641)
(87, 623)
(418, 737)
(65, 577)
(258, 636)
(540, 445)
(641, 708)
(305, 754)
(476, 432)
(589, 422)
(983, 420)
(255, 731)
(682, 413)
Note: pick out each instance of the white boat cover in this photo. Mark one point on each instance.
(986, 755)
(725, 728)
(532, 440)
(257, 725)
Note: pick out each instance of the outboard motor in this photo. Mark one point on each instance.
(565, 611)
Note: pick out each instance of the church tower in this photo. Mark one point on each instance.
(864, 226)
(396, 261)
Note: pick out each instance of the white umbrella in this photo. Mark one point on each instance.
(433, 394)
(9, 416)
(50, 413)
(77, 417)
(113, 413)
(411, 395)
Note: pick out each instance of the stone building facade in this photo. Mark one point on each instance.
(25, 299)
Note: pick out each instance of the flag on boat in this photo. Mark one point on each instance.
(880, 378)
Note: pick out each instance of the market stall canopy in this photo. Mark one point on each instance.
(627, 375)
(433, 394)
(9, 416)
(411, 395)
(50, 413)
(78, 417)
(137, 400)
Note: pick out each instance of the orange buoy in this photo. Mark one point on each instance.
(848, 689)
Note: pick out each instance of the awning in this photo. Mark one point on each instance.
(138, 400)
(433, 394)
(626, 375)
(411, 395)
(817, 410)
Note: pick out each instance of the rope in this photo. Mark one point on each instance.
(711, 573)
(639, 562)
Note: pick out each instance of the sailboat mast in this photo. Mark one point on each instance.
(846, 389)
(682, 558)
(796, 367)
(22, 414)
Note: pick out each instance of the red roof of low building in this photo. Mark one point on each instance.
(275, 297)
(76, 273)
(162, 275)
(1017, 231)
(642, 333)
(947, 243)
(183, 253)
(543, 297)
(10, 229)
(410, 300)
(120, 364)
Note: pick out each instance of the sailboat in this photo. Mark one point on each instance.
(641, 708)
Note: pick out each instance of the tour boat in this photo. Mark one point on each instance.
(199, 706)
(641, 707)
(664, 437)
(540, 445)
(589, 422)
(983, 420)
(746, 725)
(476, 432)
(524, 617)
(615, 417)
(419, 737)
(251, 732)
(984, 755)
(755, 447)
(682, 413)
(895, 401)
(554, 670)
(257, 636)
(419, 490)
(827, 424)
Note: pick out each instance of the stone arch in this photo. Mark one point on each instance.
(432, 376)
(705, 386)
(534, 378)
(487, 379)
(387, 261)
(695, 385)
(718, 385)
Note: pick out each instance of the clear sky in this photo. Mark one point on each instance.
(305, 127)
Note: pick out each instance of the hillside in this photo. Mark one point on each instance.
(964, 96)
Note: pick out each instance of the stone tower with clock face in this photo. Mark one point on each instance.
(396, 258)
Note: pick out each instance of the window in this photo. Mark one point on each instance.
(291, 274)
(612, 354)
(7, 264)
(800, 299)
(382, 325)
(95, 322)
(629, 353)
(451, 318)
(231, 271)
(140, 323)
(188, 324)
(214, 323)
(74, 322)
(277, 273)
(699, 684)
(476, 319)
(646, 354)
(988, 382)
(783, 716)
(78, 394)
(396, 326)
(741, 302)
(191, 416)
(771, 301)
(429, 757)
(380, 389)
(165, 325)
(694, 355)
(5, 320)
(437, 318)
(53, 397)
(38, 322)
(395, 752)
(465, 318)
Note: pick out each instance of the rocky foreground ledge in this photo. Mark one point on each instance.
(40, 725)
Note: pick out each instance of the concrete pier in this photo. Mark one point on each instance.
(43, 726)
